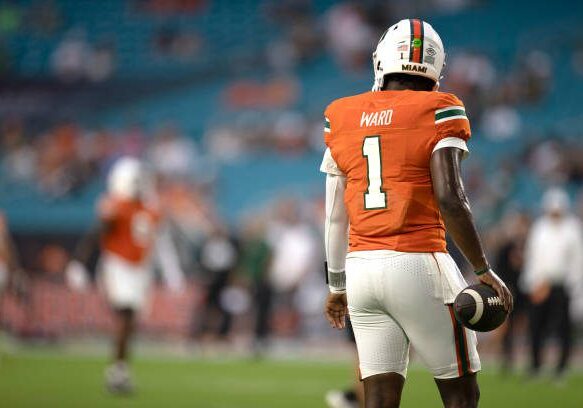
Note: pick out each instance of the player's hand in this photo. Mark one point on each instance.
(491, 279)
(336, 310)
(77, 276)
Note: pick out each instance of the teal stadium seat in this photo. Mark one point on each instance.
(239, 28)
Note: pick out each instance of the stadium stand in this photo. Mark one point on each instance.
(230, 37)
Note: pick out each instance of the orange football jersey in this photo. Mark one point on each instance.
(131, 228)
(382, 142)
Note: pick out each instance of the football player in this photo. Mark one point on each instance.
(393, 186)
(128, 230)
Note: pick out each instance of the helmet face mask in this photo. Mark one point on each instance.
(409, 47)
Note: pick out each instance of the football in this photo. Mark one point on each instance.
(479, 308)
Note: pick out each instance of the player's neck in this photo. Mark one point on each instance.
(395, 86)
(403, 86)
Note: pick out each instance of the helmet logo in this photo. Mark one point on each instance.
(403, 47)
(417, 42)
(430, 55)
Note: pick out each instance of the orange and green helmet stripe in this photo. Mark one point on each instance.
(416, 46)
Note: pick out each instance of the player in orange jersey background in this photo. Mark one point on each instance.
(128, 232)
(131, 238)
(393, 185)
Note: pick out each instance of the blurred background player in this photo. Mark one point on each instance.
(13, 278)
(219, 257)
(509, 265)
(553, 273)
(131, 240)
(294, 250)
(256, 260)
(129, 222)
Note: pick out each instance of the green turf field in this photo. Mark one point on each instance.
(46, 380)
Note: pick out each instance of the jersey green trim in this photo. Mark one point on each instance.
(450, 112)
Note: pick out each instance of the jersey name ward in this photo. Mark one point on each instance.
(381, 118)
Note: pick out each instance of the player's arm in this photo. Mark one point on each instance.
(336, 245)
(76, 271)
(87, 245)
(107, 212)
(89, 242)
(457, 215)
(335, 231)
(8, 249)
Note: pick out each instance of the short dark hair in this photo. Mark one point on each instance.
(415, 82)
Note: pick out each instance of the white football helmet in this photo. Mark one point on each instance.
(126, 178)
(410, 47)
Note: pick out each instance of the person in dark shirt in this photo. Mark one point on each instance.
(509, 264)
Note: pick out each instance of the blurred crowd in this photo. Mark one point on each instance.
(76, 56)
(64, 158)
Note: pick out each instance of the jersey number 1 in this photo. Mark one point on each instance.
(374, 197)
